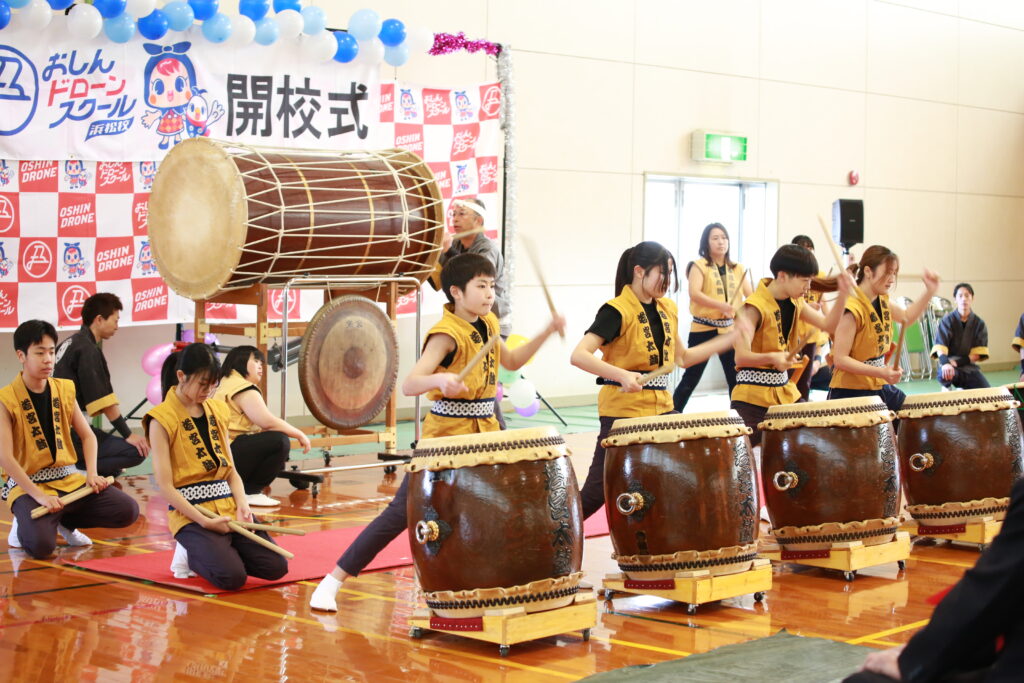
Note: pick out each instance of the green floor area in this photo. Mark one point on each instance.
(577, 419)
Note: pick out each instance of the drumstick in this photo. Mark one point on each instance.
(836, 256)
(271, 528)
(466, 233)
(78, 494)
(739, 288)
(799, 345)
(484, 350)
(663, 370)
(899, 348)
(239, 529)
(532, 253)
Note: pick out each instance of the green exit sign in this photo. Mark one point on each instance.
(720, 147)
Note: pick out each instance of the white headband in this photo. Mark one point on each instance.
(472, 206)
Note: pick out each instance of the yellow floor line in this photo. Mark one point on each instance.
(311, 622)
(641, 646)
(946, 562)
(888, 632)
(885, 643)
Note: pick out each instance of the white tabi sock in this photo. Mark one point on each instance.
(323, 597)
(179, 563)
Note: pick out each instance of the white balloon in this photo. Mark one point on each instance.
(140, 8)
(35, 16)
(85, 21)
(243, 30)
(290, 22)
(522, 393)
(419, 39)
(318, 48)
(370, 52)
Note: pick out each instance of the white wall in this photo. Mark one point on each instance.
(922, 98)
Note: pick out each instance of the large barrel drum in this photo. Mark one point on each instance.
(495, 521)
(830, 473)
(960, 452)
(226, 216)
(680, 494)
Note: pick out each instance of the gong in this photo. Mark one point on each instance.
(348, 362)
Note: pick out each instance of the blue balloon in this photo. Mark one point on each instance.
(179, 15)
(392, 32)
(281, 5)
(18, 4)
(313, 20)
(364, 24)
(111, 8)
(120, 29)
(60, 4)
(5, 14)
(396, 55)
(348, 47)
(254, 9)
(217, 28)
(154, 25)
(203, 9)
(267, 31)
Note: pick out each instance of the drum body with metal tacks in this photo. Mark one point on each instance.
(830, 473)
(960, 452)
(226, 216)
(1017, 389)
(348, 362)
(680, 494)
(495, 521)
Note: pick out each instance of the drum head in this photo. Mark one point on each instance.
(348, 362)
(197, 218)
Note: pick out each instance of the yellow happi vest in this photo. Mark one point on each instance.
(30, 448)
(764, 385)
(715, 288)
(482, 380)
(870, 342)
(238, 422)
(634, 349)
(191, 464)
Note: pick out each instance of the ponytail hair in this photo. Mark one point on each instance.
(646, 255)
(875, 257)
(195, 360)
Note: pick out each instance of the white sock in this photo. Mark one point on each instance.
(179, 563)
(75, 537)
(324, 597)
(12, 538)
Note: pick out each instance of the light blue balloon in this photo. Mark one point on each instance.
(364, 24)
(179, 15)
(217, 28)
(348, 48)
(120, 29)
(267, 31)
(313, 20)
(18, 4)
(282, 5)
(392, 32)
(396, 55)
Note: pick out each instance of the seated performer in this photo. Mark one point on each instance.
(193, 467)
(960, 342)
(1018, 344)
(636, 333)
(259, 440)
(779, 316)
(975, 631)
(80, 359)
(864, 334)
(460, 407)
(37, 413)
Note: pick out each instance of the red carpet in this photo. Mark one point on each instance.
(315, 555)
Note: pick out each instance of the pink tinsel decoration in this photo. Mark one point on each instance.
(446, 43)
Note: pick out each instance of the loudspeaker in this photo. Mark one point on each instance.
(848, 222)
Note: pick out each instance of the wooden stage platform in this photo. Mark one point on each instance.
(61, 623)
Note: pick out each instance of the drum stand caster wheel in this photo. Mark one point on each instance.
(389, 469)
(316, 490)
(850, 576)
(586, 634)
(326, 452)
(503, 650)
(691, 609)
(416, 632)
(902, 564)
(758, 596)
(609, 594)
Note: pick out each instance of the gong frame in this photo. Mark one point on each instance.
(380, 289)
